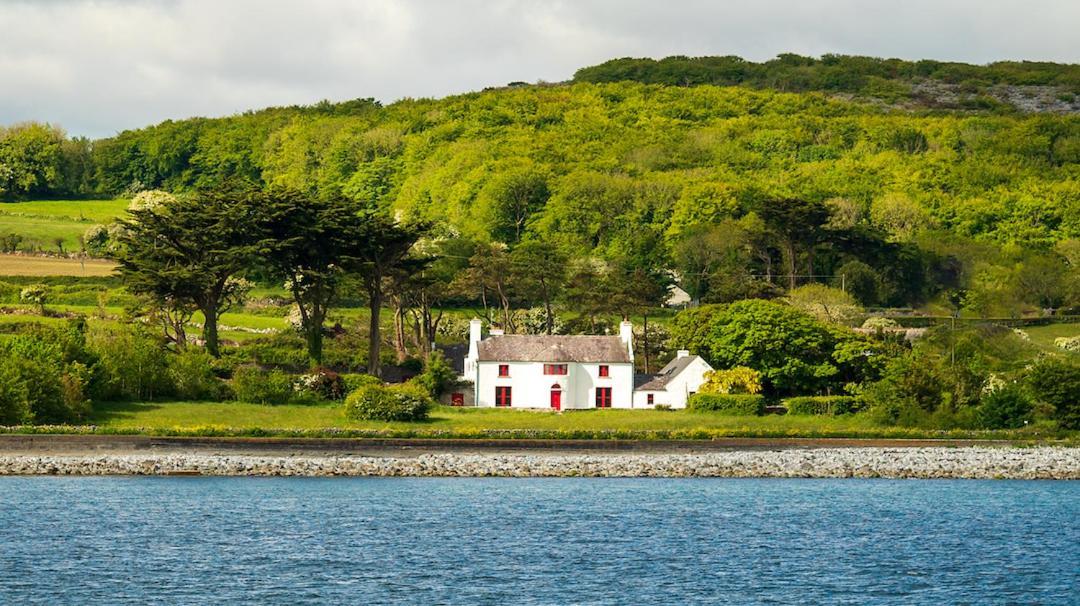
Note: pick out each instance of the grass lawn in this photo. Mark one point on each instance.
(24, 265)
(1045, 335)
(233, 418)
(45, 220)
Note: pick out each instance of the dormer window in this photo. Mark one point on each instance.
(555, 369)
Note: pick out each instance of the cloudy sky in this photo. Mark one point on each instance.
(99, 66)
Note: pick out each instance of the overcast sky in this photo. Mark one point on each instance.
(98, 67)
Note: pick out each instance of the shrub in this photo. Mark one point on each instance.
(1068, 343)
(731, 404)
(255, 385)
(1057, 383)
(133, 363)
(38, 384)
(37, 295)
(825, 303)
(822, 405)
(733, 380)
(192, 374)
(356, 381)
(438, 376)
(1006, 408)
(324, 383)
(393, 403)
(878, 322)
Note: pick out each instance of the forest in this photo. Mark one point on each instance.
(865, 76)
(959, 209)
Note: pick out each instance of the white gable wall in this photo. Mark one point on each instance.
(531, 388)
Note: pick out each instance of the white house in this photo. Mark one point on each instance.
(674, 384)
(561, 372)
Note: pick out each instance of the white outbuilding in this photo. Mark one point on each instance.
(674, 384)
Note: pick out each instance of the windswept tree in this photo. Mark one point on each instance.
(539, 269)
(632, 289)
(490, 277)
(797, 225)
(192, 250)
(384, 248)
(315, 244)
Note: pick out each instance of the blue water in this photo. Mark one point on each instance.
(537, 541)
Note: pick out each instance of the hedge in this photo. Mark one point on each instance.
(822, 405)
(732, 404)
(388, 403)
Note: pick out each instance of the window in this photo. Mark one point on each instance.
(604, 370)
(649, 399)
(603, 397)
(504, 370)
(555, 369)
(502, 396)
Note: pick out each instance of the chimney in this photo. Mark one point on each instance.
(626, 335)
(475, 334)
(682, 353)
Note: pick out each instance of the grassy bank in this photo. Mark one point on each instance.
(237, 419)
(42, 222)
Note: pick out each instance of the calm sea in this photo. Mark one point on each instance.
(537, 541)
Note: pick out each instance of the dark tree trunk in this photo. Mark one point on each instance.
(399, 331)
(315, 336)
(210, 330)
(374, 368)
(314, 344)
(789, 260)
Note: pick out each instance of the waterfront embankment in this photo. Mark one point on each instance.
(865, 462)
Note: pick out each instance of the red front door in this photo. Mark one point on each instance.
(556, 399)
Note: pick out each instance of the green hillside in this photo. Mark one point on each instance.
(958, 207)
(53, 225)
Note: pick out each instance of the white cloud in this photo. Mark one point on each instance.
(97, 67)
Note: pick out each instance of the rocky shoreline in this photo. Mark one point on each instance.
(974, 462)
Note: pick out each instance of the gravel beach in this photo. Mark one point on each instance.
(973, 462)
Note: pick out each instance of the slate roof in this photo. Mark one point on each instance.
(553, 348)
(659, 381)
(455, 355)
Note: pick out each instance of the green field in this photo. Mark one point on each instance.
(1045, 335)
(233, 418)
(25, 265)
(41, 222)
